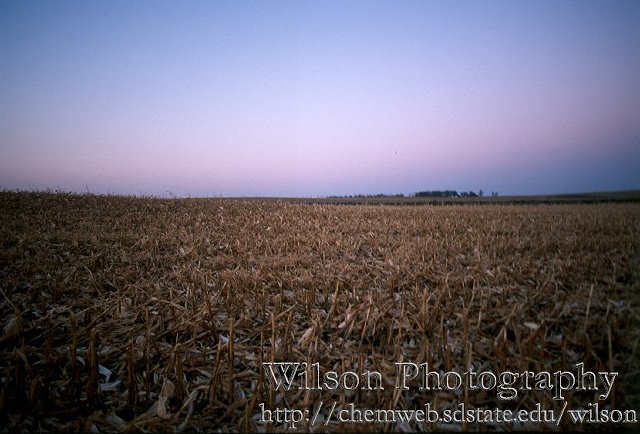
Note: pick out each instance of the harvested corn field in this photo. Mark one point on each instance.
(124, 313)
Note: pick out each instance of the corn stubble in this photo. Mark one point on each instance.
(125, 314)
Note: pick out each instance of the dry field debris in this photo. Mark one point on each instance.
(124, 313)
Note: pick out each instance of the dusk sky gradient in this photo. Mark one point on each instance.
(300, 98)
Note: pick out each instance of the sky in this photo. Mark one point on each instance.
(317, 98)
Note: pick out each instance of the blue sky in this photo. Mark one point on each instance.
(306, 98)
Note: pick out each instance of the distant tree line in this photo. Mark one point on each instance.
(452, 193)
(428, 193)
(437, 193)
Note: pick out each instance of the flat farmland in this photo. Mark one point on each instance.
(125, 313)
